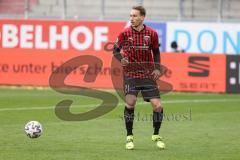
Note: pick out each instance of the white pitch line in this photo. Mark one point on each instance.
(139, 103)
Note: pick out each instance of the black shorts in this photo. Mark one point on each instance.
(147, 87)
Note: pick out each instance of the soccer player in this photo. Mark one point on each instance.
(140, 59)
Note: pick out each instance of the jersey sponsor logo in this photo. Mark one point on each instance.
(140, 47)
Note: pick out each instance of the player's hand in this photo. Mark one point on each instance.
(156, 74)
(124, 61)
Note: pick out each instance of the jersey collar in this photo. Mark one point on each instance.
(144, 27)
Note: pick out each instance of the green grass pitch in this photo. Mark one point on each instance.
(197, 126)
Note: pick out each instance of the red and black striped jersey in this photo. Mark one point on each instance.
(138, 47)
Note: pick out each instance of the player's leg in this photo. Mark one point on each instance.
(129, 118)
(157, 121)
(130, 100)
(129, 112)
(151, 94)
(157, 114)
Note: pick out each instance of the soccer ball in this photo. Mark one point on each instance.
(33, 129)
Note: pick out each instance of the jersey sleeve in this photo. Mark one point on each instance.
(155, 42)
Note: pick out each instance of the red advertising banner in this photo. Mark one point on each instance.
(58, 35)
(35, 68)
(30, 50)
(195, 72)
(187, 72)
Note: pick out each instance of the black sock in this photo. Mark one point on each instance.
(129, 117)
(157, 121)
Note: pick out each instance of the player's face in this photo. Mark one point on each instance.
(136, 18)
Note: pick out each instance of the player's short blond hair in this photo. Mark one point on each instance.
(141, 9)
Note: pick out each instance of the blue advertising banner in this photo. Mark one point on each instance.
(161, 30)
(196, 37)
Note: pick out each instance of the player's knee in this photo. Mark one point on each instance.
(156, 104)
(131, 103)
(157, 107)
(131, 100)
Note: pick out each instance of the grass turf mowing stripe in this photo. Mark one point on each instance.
(139, 103)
